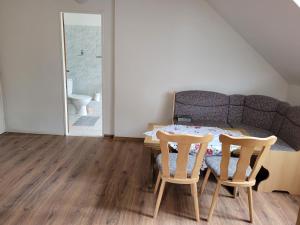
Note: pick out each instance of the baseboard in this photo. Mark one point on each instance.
(107, 136)
(17, 131)
(128, 139)
(111, 136)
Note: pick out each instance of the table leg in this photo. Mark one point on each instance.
(152, 171)
(153, 167)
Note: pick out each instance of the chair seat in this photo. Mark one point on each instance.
(172, 163)
(214, 162)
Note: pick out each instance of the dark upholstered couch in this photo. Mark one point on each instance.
(258, 115)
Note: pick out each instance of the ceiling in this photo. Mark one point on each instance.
(272, 27)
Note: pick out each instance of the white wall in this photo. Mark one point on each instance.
(163, 46)
(294, 94)
(82, 19)
(271, 27)
(31, 62)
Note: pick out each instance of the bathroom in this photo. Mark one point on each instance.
(83, 66)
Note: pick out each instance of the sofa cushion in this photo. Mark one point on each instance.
(290, 130)
(237, 100)
(201, 98)
(252, 131)
(236, 108)
(202, 105)
(280, 145)
(280, 114)
(205, 123)
(235, 114)
(259, 111)
(217, 113)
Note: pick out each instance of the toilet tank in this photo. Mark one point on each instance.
(69, 86)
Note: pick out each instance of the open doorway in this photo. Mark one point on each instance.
(82, 48)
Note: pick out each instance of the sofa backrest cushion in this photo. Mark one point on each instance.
(279, 117)
(259, 111)
(202, 105)
(236, 109)
(290, 129)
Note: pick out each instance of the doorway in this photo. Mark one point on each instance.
(82, 50)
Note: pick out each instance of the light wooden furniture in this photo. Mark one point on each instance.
(149, 142)
(283, 168)
(181, 175)
(152, 145)
(241, 177)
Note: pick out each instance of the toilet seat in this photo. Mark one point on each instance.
(80, 97)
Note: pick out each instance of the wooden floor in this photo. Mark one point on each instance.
(56, 180)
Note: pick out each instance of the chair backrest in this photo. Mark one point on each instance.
(248, 146)
(184, 144)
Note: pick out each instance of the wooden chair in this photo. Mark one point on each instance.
(236, 172)
(181, 167)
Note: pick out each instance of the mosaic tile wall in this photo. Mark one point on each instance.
(84, 62)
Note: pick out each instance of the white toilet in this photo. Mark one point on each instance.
(79, 101)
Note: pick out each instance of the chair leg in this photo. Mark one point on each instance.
(214, 201)
(205, 180)
(250, 201)
(195, 197)
(161, 191)
(157, 183)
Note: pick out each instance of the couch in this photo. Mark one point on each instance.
(257, 115)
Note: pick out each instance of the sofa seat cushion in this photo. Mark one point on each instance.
(205, 124)
(280, 145)
(172, 163)
(252, 131)
(214, 162)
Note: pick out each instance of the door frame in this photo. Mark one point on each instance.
(64, 71)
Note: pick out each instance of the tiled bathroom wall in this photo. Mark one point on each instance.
(84, 58)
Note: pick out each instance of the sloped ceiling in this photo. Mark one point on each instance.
(272, 27)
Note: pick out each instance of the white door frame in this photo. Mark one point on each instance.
(64, 72)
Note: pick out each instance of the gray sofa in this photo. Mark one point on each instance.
(258, 115)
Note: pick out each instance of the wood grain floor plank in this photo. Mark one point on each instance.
(56, 180)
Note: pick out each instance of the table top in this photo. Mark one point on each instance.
(154, 143)
(149, 141)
